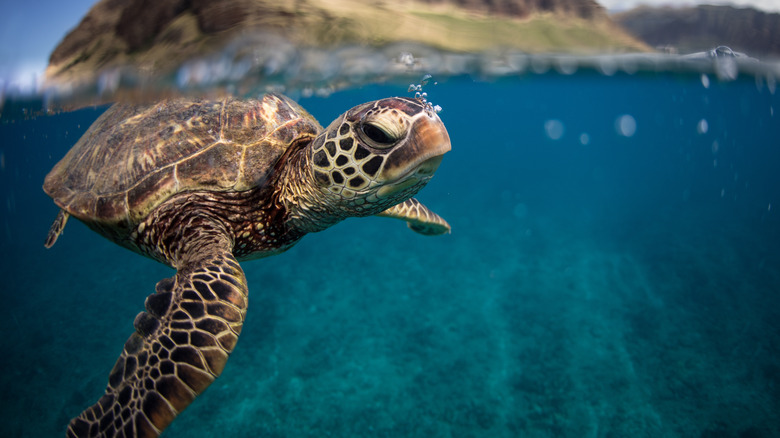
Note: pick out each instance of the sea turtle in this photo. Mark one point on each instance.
(201, 184)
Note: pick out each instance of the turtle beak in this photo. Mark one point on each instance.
(418, 157)
(422, 152)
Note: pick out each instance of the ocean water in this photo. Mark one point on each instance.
(613, 271)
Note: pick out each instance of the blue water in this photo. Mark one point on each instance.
(613, 271)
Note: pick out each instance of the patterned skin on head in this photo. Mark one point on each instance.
(379, 153)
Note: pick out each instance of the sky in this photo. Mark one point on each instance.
(29, 32)
(31, 29)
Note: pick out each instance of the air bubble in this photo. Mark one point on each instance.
(406, 59)
(705, 80)
(520, 211)
(584, 138)
(540, 65)
(625, 125)
(566, 65)
(431, 108)
(702, 127)
(423, 96)
(554, 129)
(725, 63)
(607, 66)
(108, 82)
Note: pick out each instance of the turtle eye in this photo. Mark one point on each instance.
(377, 135)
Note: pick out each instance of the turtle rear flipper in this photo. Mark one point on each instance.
(56, 228)
(418, 217)
(180, 346)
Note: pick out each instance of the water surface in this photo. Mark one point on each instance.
(613, 271)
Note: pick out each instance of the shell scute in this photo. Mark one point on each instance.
(133, 158)
(110, 206)
(214, 168)
(152, 190)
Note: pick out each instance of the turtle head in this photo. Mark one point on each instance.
(378, 154)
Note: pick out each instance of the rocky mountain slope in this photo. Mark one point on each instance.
(701, 28)
(158, 35)
(587, 9)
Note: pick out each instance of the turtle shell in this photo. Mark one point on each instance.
(133, 158)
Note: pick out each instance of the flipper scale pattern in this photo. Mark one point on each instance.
(180, 346)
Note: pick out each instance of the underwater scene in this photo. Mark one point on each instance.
(613, 265)
(613, 271)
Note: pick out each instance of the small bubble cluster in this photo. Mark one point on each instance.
(406, 59)
(422, 96)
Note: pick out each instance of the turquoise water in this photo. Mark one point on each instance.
(613, 271)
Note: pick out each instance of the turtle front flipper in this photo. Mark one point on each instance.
(418, 217)
(180, 346)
